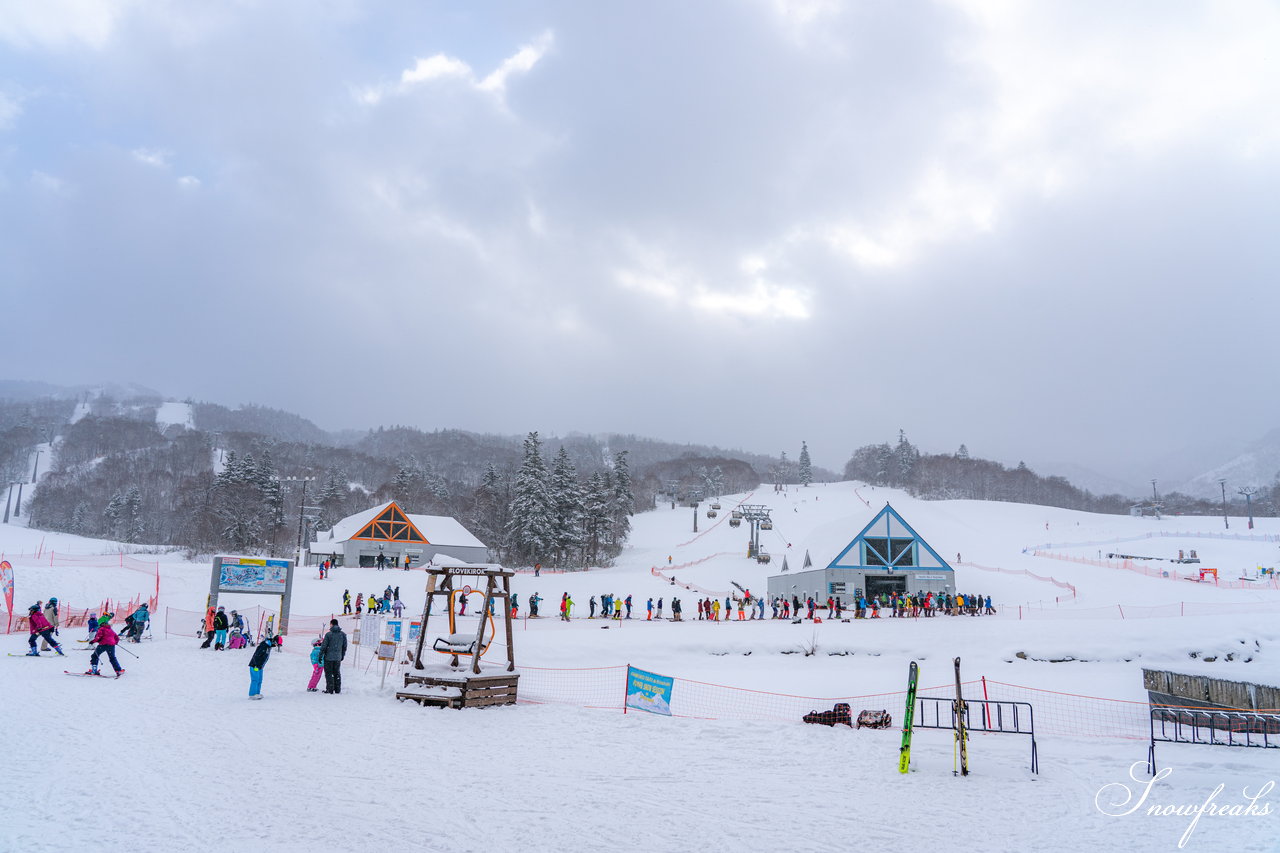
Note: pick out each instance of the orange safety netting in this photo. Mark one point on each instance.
(1154, 572)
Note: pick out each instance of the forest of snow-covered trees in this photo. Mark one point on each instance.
(115, 474)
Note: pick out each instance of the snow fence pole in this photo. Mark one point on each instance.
(625, 686)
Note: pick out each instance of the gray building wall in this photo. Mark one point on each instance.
(420, 552)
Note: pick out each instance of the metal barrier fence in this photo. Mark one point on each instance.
(1247, 729)
(993, 717)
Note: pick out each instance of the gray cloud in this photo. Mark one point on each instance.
(1042, 231)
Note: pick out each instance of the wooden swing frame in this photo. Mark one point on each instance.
(441, 582)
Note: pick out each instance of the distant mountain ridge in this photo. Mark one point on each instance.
(1258, 465)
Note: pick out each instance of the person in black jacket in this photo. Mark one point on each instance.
(256, 664)
(332, 650)
(220, 624)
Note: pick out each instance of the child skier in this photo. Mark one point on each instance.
(41, 628)
(107, 641)
(317, 666)
(256, 664)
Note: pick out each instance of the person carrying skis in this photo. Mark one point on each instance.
(51, 615)
(40, 627)
(107, 641)
(256, 665)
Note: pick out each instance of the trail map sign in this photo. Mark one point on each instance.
(253, 576)
(245, 574)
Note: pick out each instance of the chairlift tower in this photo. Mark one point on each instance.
(755, 514)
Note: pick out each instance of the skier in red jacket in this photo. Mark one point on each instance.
(40, 627)
(107, 640)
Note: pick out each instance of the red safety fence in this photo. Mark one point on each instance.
(190, 623)
(1055, 712)
(1168, 574)
(119, 606)
(1024, 573)
(69, 617)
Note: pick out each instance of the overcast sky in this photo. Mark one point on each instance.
(1046, 230)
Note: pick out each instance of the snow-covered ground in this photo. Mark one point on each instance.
(173, 756)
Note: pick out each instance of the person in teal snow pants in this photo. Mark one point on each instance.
(256, 664)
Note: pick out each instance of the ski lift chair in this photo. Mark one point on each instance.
(457, 643)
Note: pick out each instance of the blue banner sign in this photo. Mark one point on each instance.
(648, 691)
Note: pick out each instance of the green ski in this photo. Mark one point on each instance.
(962, 731)
(904, 754)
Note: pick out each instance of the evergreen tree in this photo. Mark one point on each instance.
(806, 466)
(532, 520)
(962, 453)
(567, 496)
(905, 456)
(596, 519)
(490, 511)
(623, 504)
(131, 517)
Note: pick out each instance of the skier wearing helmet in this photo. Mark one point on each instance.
(40, 627)
(317, 665)
(106, 640)
(50, 614)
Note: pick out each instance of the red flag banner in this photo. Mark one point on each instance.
(6, 582)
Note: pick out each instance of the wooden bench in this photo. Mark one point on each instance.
(459, 690)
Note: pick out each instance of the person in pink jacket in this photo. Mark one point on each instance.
(40, 627)
(107, 640)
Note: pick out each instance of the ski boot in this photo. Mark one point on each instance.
(93, 670)
(60, 652)
(33, 654)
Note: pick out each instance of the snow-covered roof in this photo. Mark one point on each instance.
(439, 530)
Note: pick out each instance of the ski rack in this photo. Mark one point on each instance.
(983, 715)
(1207, 726)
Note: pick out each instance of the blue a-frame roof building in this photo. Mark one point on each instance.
(887, 555)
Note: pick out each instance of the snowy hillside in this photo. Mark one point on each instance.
(302, 771)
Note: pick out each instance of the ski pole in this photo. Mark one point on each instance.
(123, 649)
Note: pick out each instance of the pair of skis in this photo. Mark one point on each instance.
(908, 719)
(90, 674)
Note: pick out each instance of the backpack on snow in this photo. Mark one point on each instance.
(874, 720)
(838, 715)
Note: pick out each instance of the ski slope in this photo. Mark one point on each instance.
(359, 771)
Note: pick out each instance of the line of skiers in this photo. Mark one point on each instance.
(751, 607)
(389, 602)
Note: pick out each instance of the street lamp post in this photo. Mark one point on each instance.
(1223, 483)
(301, 509)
